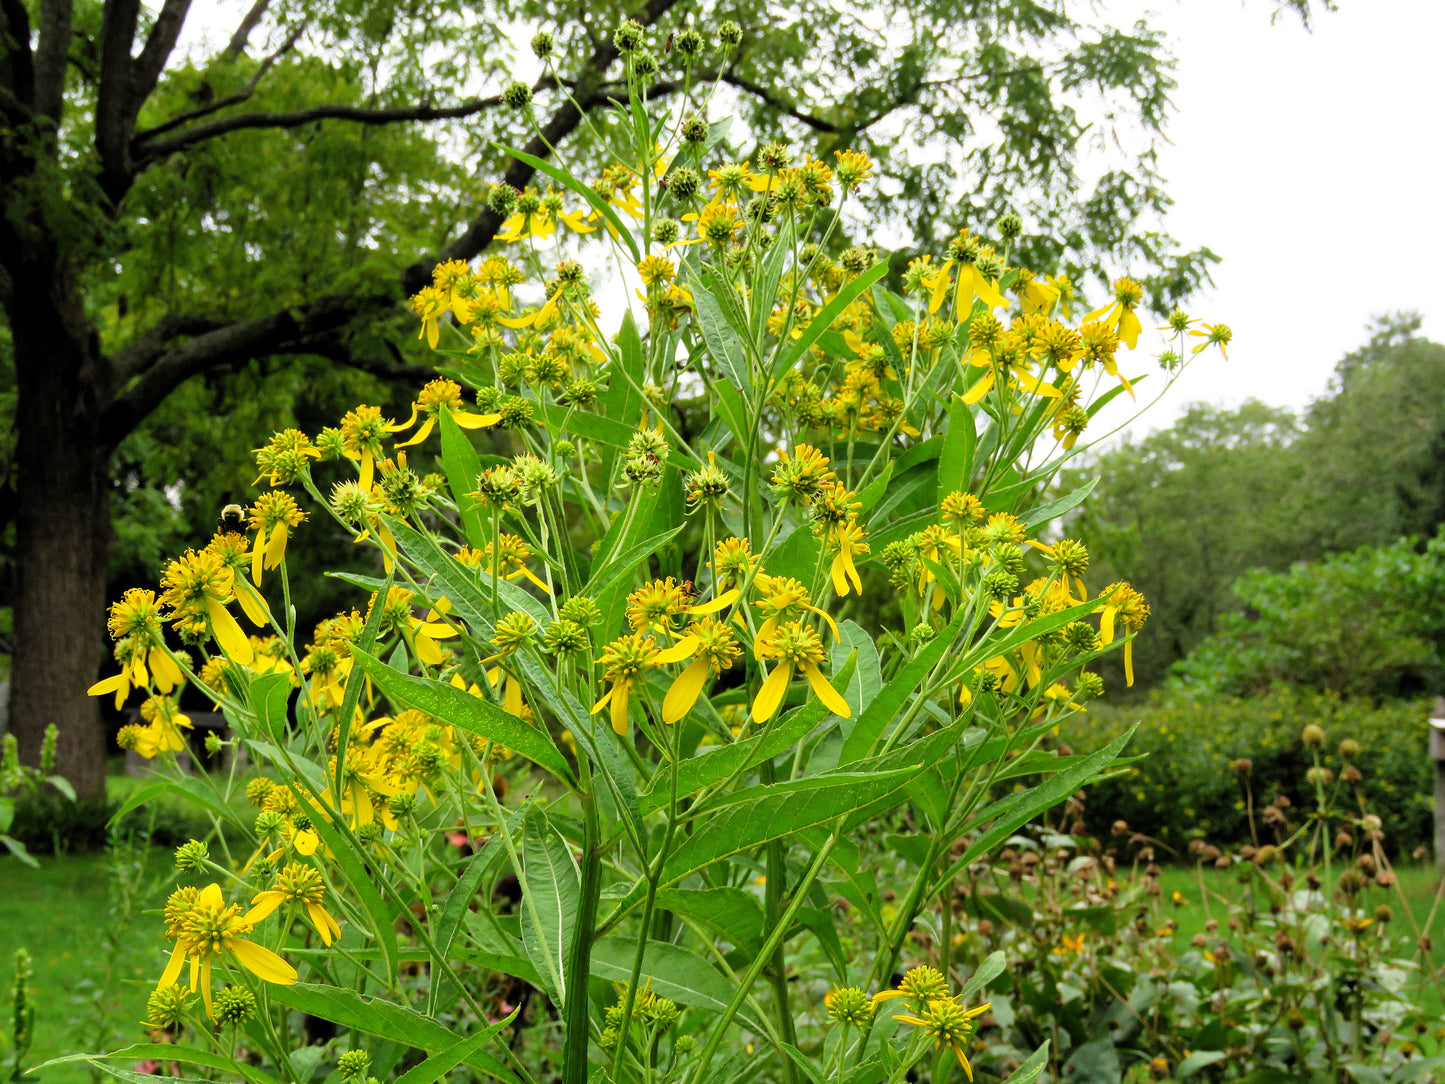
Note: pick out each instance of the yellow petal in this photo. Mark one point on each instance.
(109, 685)
(684, 691)
(427, 650)
(265, 903)
(1129, 663)
(167, 674)
(228, 634)
(683, 649)
(980, 389)
(1106, 625)
(306, 843)
(262, 962)
(366, 467)
(826, 693)
(512, 698)
(619, 707)
(604, 700)
(475, 421)
(1129, 328)
(276, 547)
(771, 694)
(173, 967)
(727, 598)
(421, 434)
(252, 604)
(258, 553)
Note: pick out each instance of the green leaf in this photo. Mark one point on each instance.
(733, 914)
(382, 918)
(562, 177)
(867, 680)
(886, 706)
(755, 815)
(15, 847)
(461, 465)
(621, 566)
(1054, 509)
(270, 696)
(723, 343)
(820, 925)
(1031, 1069)
(439, 1064)
(824, 320)
(991, 968)
(765, 285)
(552, 891)
(188, 1055)
(955, 463)
(673, 972)
(457, 707)
(188, 790)
(1197, 1061)
(876, 488)
(385, 1019)
(458, 904)
(719, 764)
(803, 1062)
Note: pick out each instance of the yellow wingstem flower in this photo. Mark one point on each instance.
(948, 1024)
(438, 396)
(362, 431)
(795, 646)
(783, 596)
(297, 884)
(196, 588)
(205, 927)
(1121, 603)
(272, 517)
(1119, 313)
(622, 661)
(713, 648)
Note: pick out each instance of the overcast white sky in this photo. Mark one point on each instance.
(1312, 164)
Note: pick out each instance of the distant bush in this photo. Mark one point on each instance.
(1366, 623)
(1186, 787)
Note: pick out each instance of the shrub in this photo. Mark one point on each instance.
(1187, 786)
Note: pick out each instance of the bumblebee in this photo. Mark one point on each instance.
(233, 520)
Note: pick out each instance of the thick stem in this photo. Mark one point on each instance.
(579, 961)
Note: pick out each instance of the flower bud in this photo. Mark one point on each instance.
(1313, 736)
(730, 35)
(1349, 749)
(543, 44)
(517, 95)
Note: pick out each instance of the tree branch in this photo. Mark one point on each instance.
(132, 360)
(237, 45)
(226, 102)
(818, 124)
(333, 349)
(51, 50)
(150, 149)
(146, 70)
(310, 328)
(112, 127)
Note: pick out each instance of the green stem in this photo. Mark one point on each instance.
(579, 963)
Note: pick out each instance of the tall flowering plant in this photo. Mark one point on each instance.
(727, 631)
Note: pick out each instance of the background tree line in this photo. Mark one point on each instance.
(1252, 492)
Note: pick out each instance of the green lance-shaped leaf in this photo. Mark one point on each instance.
(824, 320)
(387, 1020)
(461, 464)
(551, 895)
(671, 972)
(456, 707)
(723, 342)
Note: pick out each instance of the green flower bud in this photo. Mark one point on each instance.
(517, 95)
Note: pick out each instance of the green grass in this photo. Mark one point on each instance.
(92, 963)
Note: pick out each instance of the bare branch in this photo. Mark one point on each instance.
(152, 149)
(237, 45)
(132, 360)
(333, 349)
(224, 103)
(818, 124)
(153, 56)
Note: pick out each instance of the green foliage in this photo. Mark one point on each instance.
(1181, 510)
(1188, 510)
(1187, 787)
(1367, 623)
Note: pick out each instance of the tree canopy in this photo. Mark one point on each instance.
(216, 211)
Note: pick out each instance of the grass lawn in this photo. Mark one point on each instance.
(93, 957)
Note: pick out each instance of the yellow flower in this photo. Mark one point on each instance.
(204, 926)
(712, 647)
(272, 516)
(656, 269)
(795, 646)
(1214, 335)
(949, 1024)
(296, 883)
(135, 623)
(1119, 313)
(622, 661)
(362, 431)
(923, 984)
(437, 396)
(197, 587)
(431, 305)
(1071, 943)
(1121, 602)
(783, 596)
(531, 219)
(717, 223)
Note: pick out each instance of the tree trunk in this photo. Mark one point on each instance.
(62, 542)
